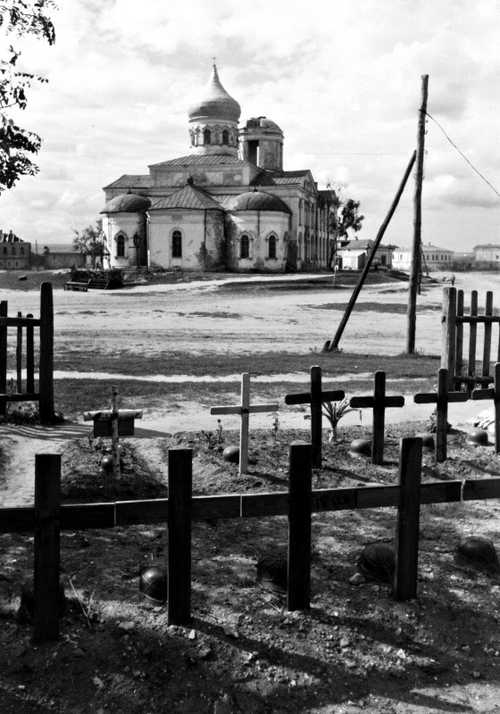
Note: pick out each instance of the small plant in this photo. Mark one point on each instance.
(220, 435)
(334, 411)
(211, 439)
(275, 426)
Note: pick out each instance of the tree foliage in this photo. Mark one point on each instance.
(90, 241)
(346, 217)
(19, 18)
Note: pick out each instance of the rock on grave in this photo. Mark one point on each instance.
(231, 454)
(361, 447)
(153, 583)
(272, 570)
(479, 553)
(427, 440)
(378, 562)
(478, 437)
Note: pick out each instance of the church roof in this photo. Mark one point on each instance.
(127, 203)
(257, 201)
(275, 178)
(132, 181)
(187, 197)
(216, 103)
(200, 160)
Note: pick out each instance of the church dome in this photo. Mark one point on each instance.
(263, 123)
(216, 102)
(258, 201)
(127, 203)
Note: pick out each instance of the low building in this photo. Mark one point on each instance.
(353, 255)
(58, 256)
(487, 253)
(433, 258)
(14, 252)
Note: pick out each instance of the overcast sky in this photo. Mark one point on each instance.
(343, 80)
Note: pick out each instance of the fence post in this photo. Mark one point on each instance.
(448, 324)
(46, 543)
(179, 536)
(19, 356)
(3, 358)
(442, 416)
(316, 416)
(459, 358)
(299, 527)
(488, 311)
(496, 403)
(46, 369)
(471, 371)
(410, 468)
(30, 358)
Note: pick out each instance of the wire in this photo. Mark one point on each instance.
(464, 156)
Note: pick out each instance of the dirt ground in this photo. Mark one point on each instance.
(355, 650)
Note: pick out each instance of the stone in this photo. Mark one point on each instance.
(479, 437)
(361, 447)
(479, 553)
(378, 562)
(231, 454)
(428, 442)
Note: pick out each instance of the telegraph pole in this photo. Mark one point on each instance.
(415, 268)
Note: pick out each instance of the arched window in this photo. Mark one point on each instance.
(272, 248)
(206, 136)
(225, 137)
(244, 246)
(120, 246)
(176, 244)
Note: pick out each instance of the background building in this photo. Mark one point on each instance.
(216, 209)
(433, 258)
(14, 252)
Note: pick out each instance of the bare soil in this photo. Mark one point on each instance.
(355, 650)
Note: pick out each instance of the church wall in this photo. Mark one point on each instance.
(128, 225)
(202, 239)
(258, 225)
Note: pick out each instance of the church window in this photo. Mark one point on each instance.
(176, 244)
(120, 246)
(272, 248)
(206, 136)
(5, 249)
(225, 137)
(244, 246)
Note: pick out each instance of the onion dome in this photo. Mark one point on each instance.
(262, 123)
(127, 203)
(216, 102)
(258, 201)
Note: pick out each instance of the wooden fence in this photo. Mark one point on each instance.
(25, 389)
(47, 517)
(466, 365)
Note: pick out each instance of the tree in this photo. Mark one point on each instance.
(19, 18)
(346, 217)
(90, 241)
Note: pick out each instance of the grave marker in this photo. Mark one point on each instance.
(315, 398)
(379, 403)
(441, 399)
(244, 410)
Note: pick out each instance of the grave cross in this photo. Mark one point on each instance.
(315, 398)
(492, 393)
(441, 399)
(244, 410)
(379, 403)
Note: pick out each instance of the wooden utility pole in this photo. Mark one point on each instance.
(415, 268)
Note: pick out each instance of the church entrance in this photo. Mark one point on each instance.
(291, 256)
(141, 259)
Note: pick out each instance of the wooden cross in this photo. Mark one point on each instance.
(441, 399)
(244, 410)
(315, 398)
(492, 393)
(379, 403)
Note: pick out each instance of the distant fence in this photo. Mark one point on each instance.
(47, 517)
(461, 358)
(25, 352)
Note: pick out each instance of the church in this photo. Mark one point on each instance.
(226, 205)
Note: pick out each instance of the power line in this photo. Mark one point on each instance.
(464, 156)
